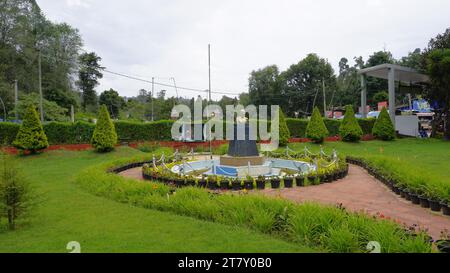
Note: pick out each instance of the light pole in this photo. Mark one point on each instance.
(4, 109)
(209, 91)
(16, 98)
(40, 86)
(153, 89)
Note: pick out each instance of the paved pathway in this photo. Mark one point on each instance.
(358, 191)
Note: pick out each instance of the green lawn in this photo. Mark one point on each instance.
(67, 213)
(422, 162)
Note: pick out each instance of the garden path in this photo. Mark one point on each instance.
(360, 191)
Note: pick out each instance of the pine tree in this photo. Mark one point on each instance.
(350, 130)
(285, 135)
(31, 136)
(316, 129)
(383, 128)
(105, 136)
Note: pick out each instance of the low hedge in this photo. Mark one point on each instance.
(328, 228)
(297, 127)
(81, 132)
(136, 131)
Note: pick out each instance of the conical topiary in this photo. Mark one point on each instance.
(350, 130)
(31, 136)
(285, 135)
(383, 128)
(316, 129)
(104, 137)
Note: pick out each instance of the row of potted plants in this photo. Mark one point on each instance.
(417, 197)
(213, 182)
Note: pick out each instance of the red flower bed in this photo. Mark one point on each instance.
(69, 147)
(172, 144)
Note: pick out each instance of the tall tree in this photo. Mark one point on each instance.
(439, 70)
(264, 86)
(113, 102)
(89, 73)
(348, 84)
(303, 84)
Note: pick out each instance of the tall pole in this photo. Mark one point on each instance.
(209, 91)
(40, 87)
(16, 98)
(324, 100)
(153, 89)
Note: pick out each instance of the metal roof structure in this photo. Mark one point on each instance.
(393, 73)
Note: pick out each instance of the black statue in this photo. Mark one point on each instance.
(241, 148)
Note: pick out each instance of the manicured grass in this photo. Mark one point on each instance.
(66, 213)
(421, 162)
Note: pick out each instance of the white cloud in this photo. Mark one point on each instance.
(77, 3)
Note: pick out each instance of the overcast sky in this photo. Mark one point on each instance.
(165, 39)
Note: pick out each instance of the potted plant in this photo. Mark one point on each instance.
(202, 182)
(300, 180)
(275, 182)
(434, 204)
(407, 194)
(443, 244)
(261, 182)
(414, 198)
(212, 182)
(248, 183)
(190, 181)
(312, 178)
(224, 184)
(236, 184)
(423, 199)
(288, 181)
(179, 181)
(445, 207)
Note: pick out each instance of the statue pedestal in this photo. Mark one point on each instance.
(241, 160)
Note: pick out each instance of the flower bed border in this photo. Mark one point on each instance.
(244, 184)
(406, 193)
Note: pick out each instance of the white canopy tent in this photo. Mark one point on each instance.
(393, 73)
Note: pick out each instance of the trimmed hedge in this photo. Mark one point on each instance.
(8, 132)
(158, 130)
(81, 132)
(297, 127)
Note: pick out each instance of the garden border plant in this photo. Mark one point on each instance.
(425, 195)
(328, 228)
(334, 171)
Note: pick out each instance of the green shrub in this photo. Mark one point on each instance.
(105, 136)
(383, 128)
(297, 127)
(316, 129)
(14, 191)
(8, 132)
(31, 136)
(150, 131)
(332, 126)
(69, 133)
(349, 130)
(366, 125)
(285, 135)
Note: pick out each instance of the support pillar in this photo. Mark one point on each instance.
(363, 96)
(391, 87)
